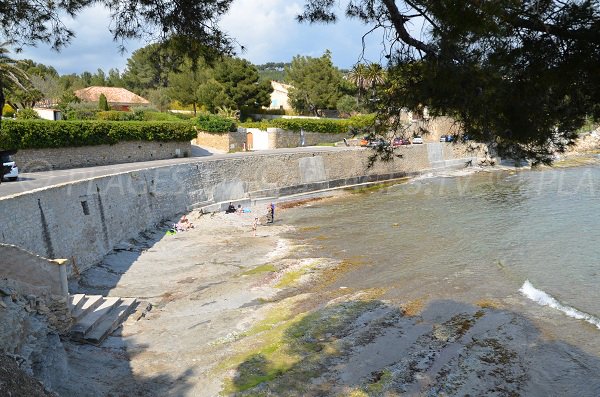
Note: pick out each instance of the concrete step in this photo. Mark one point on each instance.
(111, 321)
(88, 322)
(76, 301)
(90, 302)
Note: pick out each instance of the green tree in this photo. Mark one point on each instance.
(358, 77)
(66, 102)
(184, 84)
(521, 74)
(13, 78)
(347, 105)
(150, 67)
(160, 98)
(272, 71)
(316, 83)
(211, 95)
(49, 86)
(114, 78)
(241, 84)
(103, 103)
(98, 79)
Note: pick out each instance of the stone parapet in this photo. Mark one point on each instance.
(84, 220)
(30, 160)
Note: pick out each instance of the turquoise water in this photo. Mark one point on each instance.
(468, 238)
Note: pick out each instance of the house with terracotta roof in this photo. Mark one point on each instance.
(118, 98)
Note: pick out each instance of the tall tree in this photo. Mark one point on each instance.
(12, 76)
(241, 84)
(316, 83)
(183, 85)
(114, 78)
(522, 74)
(149, 67)
(358, 77)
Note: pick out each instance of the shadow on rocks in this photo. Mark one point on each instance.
(372, 348)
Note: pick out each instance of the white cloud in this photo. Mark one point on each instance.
(266, 28)
(262, 27)
(92, 48)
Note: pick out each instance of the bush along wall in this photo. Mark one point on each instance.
(325, 126)
(39, 134)
(215, 124)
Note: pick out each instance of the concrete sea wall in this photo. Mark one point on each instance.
(83, 221)
(30, 160)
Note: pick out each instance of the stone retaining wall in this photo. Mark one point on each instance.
(30, 160)
(289, 139)
(33, 270)
(83, 221)
(277, 138)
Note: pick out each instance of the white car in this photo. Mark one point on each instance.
(7, 161)
(417, 140)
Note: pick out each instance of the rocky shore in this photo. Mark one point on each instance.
(243, 310)
(239, 312)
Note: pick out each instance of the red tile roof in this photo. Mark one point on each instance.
(114, 95)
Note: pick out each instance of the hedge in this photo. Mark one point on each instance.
(327, 126)
(215, 124)
(38, 134)
(137, 115)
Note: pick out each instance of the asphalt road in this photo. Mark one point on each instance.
(37, 180)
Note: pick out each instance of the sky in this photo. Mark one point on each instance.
(267, 28)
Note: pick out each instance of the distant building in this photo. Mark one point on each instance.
(48, 114)
(118, 98)
(279, 96)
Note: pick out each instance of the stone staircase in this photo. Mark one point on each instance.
(96, 316)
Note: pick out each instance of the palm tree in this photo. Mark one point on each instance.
(374, 76)
(11, 75)
(357, 76)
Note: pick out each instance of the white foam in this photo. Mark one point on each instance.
(543, 299)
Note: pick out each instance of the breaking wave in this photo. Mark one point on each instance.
(542, 298)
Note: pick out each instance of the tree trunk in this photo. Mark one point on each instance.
(194, 109)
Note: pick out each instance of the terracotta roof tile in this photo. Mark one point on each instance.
(114, 95)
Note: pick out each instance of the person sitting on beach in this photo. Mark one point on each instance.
(239, 209)
(230, 209)
(183, 225)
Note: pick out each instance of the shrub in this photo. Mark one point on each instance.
(115, 115)
(36, 134)
(158, 116)
(8, 111)
(144, 108)
(82, 111)
(262, 125)
(215, 124)
(183, 116)
(137, 115)
(362, 121)
(103, 103)
(326, 126)
(228, 113)
(27, 114)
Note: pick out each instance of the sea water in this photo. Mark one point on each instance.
(529, 240)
